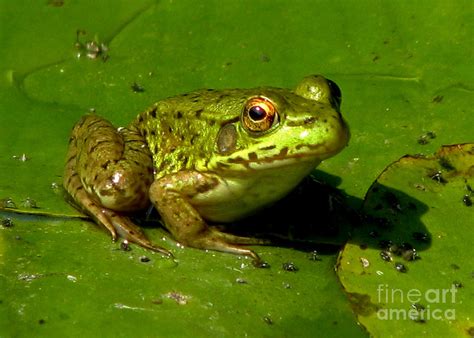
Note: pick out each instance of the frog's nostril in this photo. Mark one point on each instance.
(310, 120)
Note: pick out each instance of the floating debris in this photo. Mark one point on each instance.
(290, 266)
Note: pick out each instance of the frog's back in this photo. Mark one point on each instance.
(181, 130)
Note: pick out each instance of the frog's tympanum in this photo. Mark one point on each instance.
(206, 156)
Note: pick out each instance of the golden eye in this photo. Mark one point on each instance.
(259, 115)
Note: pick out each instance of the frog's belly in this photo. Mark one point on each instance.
(237, 197)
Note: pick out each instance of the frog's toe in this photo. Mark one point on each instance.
(126, 229)
(212, 239)
(121, 226)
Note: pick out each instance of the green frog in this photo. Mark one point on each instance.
(205, 156)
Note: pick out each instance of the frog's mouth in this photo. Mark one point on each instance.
(285, 156)
(303, 153)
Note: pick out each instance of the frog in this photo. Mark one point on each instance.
(202, 159)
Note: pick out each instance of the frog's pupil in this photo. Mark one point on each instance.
(257, 113)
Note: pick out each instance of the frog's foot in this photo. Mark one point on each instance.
(118, 225)
(126, 229)
(213, 239)
(122, 226)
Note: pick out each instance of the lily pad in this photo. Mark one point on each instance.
(405, 72)
(409, 270)
(61, 277)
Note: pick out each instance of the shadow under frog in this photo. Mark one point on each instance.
(315, 216)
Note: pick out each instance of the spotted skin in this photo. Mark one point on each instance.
(204, 156)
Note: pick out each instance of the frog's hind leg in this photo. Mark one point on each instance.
(118, 225)
(107, 173)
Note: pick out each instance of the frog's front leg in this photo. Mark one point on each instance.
(107, 174)
(172, 196)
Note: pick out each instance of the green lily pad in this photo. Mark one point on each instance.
(405, 73)
(409, 269)
(62, 278)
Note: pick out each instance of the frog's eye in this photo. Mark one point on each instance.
(259, 115)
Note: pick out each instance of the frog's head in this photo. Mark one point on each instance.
(279, 127)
